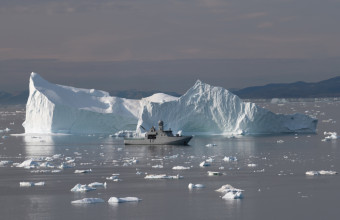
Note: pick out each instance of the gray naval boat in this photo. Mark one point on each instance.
(159, 137)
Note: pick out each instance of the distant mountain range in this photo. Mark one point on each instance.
(326, 88)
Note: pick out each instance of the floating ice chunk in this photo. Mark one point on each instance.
(279, 141)
(204, 164)
(46, 165)
(57, 156)
(29, 184)
(192, 186)
(88, 201)
(214, 173)
(162, 176)
(180, 168)
(233, 195)
(96, 185)
(321, 172)
(210, 145)
(230, 159)
(230, 192)
(124, 199)
(209, 160)
(228, 188)
(331, 136)
(83, 171)
(158, 166)
(5, 163)
(82, 188)
(64, 165)
(327, 172)
(30, 163)
(252, 165)
(112, 178)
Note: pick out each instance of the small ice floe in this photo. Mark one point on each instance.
(83, 171)
(158, 166)
(331, 136)
(230, 159)
(214, 173)
(204, 164)
(221, 168)
(46, 165)
(230, 192)
(162, 176)
(124, 199)
(192, 186)
(171, 157)
(113, 178)
(88, 201)
(28, 164)
(64, 165)
(57, 156)
(82, 188)
(321, 172)
(97, 185)
(228, 188)
(180, 168)
(252, 165)
(210, 145)
(209, 160)
(279, 141)
(5, 163)
(29, 184)
(233, 195)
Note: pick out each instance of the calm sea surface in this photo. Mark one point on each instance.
(276, 188)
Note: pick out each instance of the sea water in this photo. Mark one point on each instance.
(269, 168)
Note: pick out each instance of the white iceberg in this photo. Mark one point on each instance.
(214, 173)
(88, 201)
(82, 188)
(230, 192)
(230, 159)
(204, 164)
(30, 163)
(321, 172)
(55, 108)
(233, 195)
(331, 136)
(97, 184)
(203, 109)
(83, 171)
(5, 163)
(192, 186)
(124, 199)
(29, 184)
(162, 176)
(180, 168)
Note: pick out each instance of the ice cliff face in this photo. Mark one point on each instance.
(204, 109)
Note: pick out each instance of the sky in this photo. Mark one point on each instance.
(168, 45)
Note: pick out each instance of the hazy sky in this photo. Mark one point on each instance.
(167, 45)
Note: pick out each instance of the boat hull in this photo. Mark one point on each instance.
(183, 140)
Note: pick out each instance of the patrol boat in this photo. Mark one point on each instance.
(159, 137)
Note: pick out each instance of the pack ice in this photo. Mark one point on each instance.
(203, 109)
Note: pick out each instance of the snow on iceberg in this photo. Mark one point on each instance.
(203, 109)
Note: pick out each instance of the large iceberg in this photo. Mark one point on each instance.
(203, 109)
